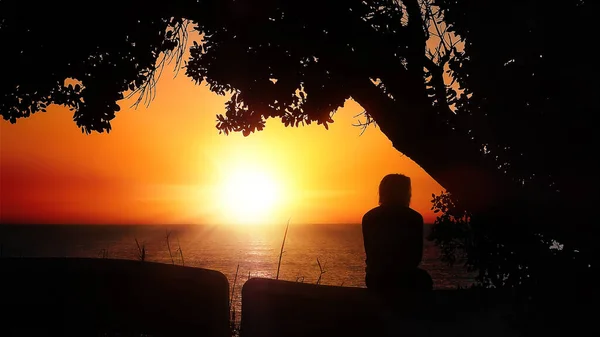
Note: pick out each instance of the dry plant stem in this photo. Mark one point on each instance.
(321, 271)
(169, 247)
(180, 252)
(233, 286)
(141, 250)
(282, 246)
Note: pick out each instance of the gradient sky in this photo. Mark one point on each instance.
(168, 164)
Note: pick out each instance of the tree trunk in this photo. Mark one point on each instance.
(452, 161)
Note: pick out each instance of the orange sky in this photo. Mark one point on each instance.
(168, 164)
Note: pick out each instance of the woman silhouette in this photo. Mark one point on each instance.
(393, 238)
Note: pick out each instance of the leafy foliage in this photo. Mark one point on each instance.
(530, 120)
(451, 230)
(278, 63)
(61, 40)
(246, 47)
(502, 258)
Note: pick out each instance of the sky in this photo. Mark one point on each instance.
(168, 164)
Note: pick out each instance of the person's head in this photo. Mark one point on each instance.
(395, 189)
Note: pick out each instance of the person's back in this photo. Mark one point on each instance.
(393, 239)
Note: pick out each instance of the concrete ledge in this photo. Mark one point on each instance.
(72, 296)
(282, 308)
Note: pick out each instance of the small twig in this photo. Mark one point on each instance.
(103, 253)
(180, 252)
(169, 247)
(147, 90)
(321, 271)
(141, 250)
(233, 286)
(232, 319)
(437, 28)
(281, 252)
(364, 125)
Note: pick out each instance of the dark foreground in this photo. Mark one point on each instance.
(103, 297)
(92, 297)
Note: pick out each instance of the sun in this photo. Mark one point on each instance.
(248, 196)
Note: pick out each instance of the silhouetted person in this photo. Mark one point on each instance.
(393, 238)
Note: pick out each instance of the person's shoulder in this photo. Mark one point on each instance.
(373, 212)
(416, 215)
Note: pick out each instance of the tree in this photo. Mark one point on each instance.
(299, 61)
(245, 46)
(528, 85)
(529, 100)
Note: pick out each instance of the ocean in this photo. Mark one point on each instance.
(338, 248)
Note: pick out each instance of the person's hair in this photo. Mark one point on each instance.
(395, 189)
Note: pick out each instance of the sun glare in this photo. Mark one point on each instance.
(248, 197)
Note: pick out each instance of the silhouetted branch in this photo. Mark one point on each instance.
(177, 34)
(364, 125)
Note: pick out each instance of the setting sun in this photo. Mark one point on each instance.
(248, 196)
